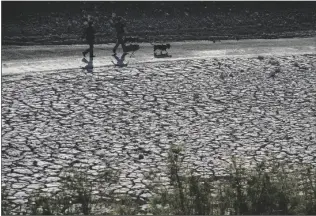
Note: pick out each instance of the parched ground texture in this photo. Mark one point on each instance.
(214, 108)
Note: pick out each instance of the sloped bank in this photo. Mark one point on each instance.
(69, 39)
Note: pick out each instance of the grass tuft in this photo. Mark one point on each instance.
(269, 187)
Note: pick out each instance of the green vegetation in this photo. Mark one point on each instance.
(270, 187)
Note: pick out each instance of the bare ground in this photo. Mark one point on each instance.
(214, 107)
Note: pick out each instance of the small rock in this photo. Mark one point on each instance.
(145, 195)
(260, 58)
(274, 62)
(277, 70)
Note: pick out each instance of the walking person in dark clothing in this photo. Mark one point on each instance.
(89, 35)
(119, 25)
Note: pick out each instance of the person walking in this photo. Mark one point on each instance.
(89, 34)
(120, 28)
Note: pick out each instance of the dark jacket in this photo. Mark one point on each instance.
(119, 26)
(89, 34)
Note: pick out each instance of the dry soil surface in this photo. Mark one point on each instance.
(214, 103)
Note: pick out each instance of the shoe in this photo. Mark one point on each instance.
(84, 55)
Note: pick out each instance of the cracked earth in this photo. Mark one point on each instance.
(126, 119)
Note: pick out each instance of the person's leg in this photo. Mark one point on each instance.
(122, 42)
(91, 49)
(116, 45)
(124, 47)
(87, 50)
(123, 56)
(117, 58)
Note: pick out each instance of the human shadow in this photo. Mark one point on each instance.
(89, 67)
(120, 61)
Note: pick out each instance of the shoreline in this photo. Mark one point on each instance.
(106, 38)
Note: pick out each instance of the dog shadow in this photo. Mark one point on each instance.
(120, 61)
(89, 67)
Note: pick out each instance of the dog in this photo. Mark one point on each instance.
(161, 47)
(131, 39)
(131, 48)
